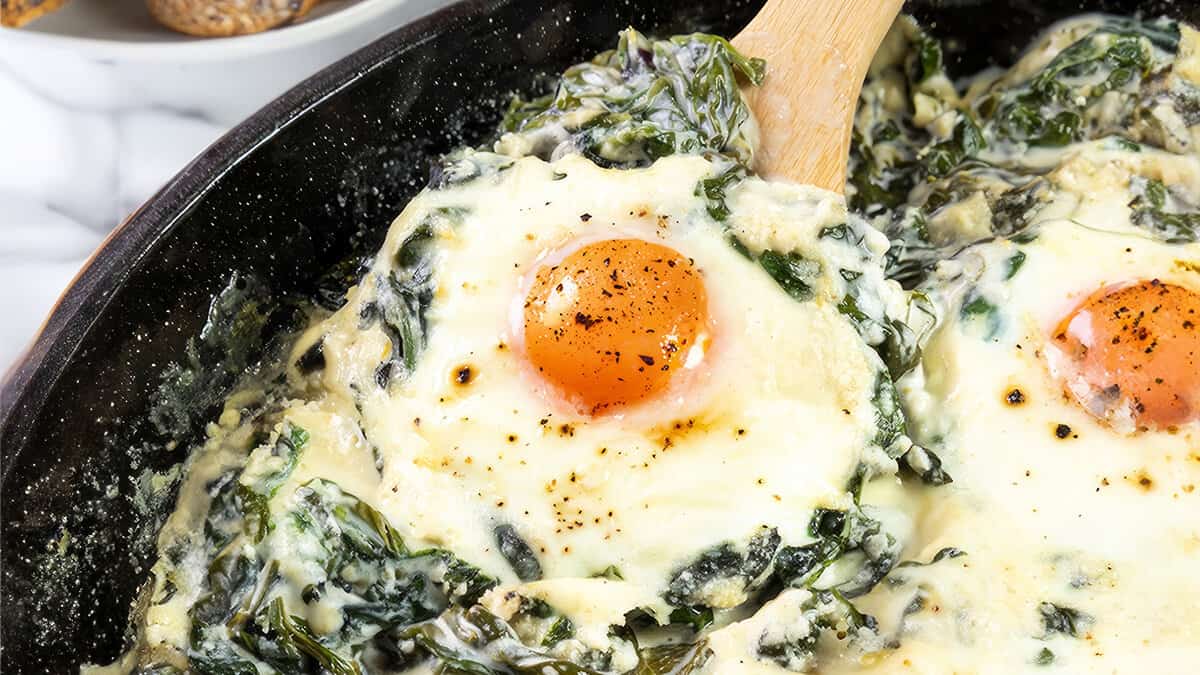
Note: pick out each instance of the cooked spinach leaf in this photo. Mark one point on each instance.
(644, 100)
(474, 640)
(313, 359)
(331, 286)
(976, 308)
(792, 272)
(926, 465)
(713, 190)
(411, 285)
(698, 618)
(1064, 620)
(560, 630)
(724, 563)
(518, 554)
(245, 323)
(679, 659)
(947, 553)
(295, 637)
(824, 611)
(1162, 213)
(378, 584)
(839, 533)
(403, 295)
(279, 464)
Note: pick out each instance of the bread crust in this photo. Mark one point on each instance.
(15, 13)
(223, 18)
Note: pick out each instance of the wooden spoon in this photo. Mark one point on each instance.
(817, 53)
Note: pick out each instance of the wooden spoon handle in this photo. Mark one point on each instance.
(817, 53)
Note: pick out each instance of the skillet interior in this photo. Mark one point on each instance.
(314, 177)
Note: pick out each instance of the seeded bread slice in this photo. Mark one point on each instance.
(14, 13)
(221, 18)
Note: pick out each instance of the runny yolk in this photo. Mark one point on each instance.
(1133, 352)
(612, 323)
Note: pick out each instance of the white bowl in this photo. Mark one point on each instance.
(106, 55)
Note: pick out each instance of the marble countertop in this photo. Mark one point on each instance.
(67, 178)
(73, 167)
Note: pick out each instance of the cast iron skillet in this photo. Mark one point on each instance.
(314, 177)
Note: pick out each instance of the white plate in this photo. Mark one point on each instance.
(129, 21)
(109, 55)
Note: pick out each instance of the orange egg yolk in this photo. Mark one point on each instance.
(1134, 351)
(612, 323)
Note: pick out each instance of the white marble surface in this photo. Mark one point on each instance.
(67, 177)
(82, 149)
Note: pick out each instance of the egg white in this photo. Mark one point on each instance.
(771, 423)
